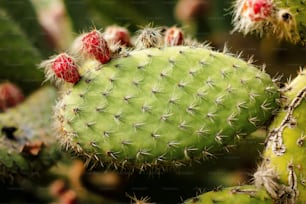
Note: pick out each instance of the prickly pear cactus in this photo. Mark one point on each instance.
(283, 171)
(232, 195)
(27, 145)
(284, 18)
(163, 107)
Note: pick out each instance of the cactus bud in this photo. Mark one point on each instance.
(117, 34)
(174, 36)
(62, 67)
(93, 45)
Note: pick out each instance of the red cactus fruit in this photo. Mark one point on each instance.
(174, 36)
(94, 45)
(117, 34)
(64, 67)
(257, 10)
(10, 95)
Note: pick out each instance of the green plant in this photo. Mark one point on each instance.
(152, 102)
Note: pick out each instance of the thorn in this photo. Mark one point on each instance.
(191, 108)
(182, 84)
(142, 153)
(253, 95)
(94, 144)
(127, 98)
(265, 106)
(206, 154)
(90, 124)
(173, 144)
(201, 94)
(183, 125)
(113, 154)
(241, 105)
(173, 100)
(165, 116)
(155, 135)
(219, 137)
(223, 73)
(210, 83)
(211, 116)
(146, 108)
(219, 100)
(125, 142)
(107, 133)
(137, 126)
(254, 121)
(202, 131)
(232, 118)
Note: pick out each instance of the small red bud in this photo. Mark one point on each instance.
(94, 45)
(117, 34)
(257, 10)
(174, 36)
(65, 68)
(61, 67)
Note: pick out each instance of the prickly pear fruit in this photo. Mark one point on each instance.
(232, 195)
(163, 107)
(174, 36)
(252, 15)
(27, 143)
(61, 67)
(10, 95)
(283, 171)
(116, 34)
(92, 45)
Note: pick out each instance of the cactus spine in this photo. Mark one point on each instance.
(163, 107)
(283, 170)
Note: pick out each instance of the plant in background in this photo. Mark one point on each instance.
(149, 103)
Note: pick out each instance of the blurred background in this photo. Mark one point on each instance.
(32, 30)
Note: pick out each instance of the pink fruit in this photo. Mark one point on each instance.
(174, 36)
(117, 34)
(10, 95)
(94, 45)
(257, 10)
(64, 67)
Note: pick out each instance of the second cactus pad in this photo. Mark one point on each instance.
(163, 107)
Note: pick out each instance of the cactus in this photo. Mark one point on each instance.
(282, 171)
(27, 145)
(284, 18)
(239, 194)
(163, 107)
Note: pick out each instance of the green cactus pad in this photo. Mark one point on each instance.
(283, 171)
(27, 145)
(233, 195)
(163, 107)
